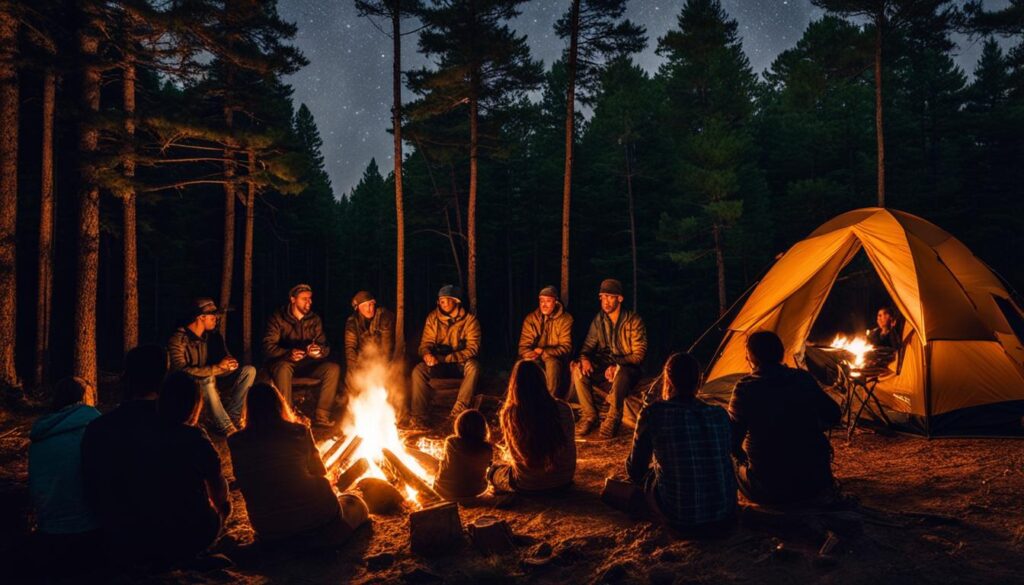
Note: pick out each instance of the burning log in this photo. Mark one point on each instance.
(435, 530)
(406, 476)
(340, 458)
(350, 475)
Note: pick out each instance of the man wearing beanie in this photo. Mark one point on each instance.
(610, 359)
(449, 349)
(295, 345)
(547, 337)
(369, 334)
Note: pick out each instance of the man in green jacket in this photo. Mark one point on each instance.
(449, 348)
(369, 336)
(610, 359)
(295, 344)
(198, 350)
(547, 337)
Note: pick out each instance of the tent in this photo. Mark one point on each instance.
(961, 371)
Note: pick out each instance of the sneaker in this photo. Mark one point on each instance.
(585, 425)
(609, 428)
(225, 431)
(323, 419)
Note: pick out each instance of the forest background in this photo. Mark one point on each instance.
(150, 153)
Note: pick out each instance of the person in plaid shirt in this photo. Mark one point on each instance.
(691, 483)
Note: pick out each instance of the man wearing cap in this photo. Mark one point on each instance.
(547, 337)
(369, 333)
(295, 345)
(610, 359)
(449, 348)
(198, 350)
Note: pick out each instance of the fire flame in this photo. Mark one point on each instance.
(858, 347)
(371, 417)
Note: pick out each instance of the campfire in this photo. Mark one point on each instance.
(856, 349)
(370, 444)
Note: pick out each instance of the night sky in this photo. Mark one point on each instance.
(347, 84)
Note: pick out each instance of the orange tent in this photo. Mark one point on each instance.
(962, 369)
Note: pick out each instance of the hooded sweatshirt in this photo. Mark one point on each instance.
(55, 471)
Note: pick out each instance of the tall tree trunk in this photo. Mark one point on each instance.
(632, 224)
(879, 133)
(228, 257)
(87, 271)
(570, 122)
(46, 219)
(396, 112)
(8, 197)
(250, 209)
(716, 231)
(131, 256)
(471, 213)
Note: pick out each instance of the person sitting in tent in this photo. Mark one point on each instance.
(691, 484)
(886, 337)
(779, 415)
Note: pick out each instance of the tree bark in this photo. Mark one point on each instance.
(46, 220)
(471, 212)
(228, 258)
(396, 82)
(131, 257)
(250, 209)
(716, 231)
(632, 225)
(570, 122)
(8, 197)
(879, 132)
(87, 271)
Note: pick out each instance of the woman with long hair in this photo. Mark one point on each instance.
(283, 480)
(539, 434)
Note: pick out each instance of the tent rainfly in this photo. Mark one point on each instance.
(962, 368)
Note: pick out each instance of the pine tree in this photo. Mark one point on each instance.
(9, 101)
(481, 65)
(888, 16)
(597, 34)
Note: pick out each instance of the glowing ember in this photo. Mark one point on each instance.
(858, 347)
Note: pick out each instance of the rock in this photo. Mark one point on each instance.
(380, 496)
(380, 562)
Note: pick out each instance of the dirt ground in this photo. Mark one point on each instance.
(940, 511)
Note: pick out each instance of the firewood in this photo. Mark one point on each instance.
(346, 454)
(406, 476)
(350, 475)
(436, 529)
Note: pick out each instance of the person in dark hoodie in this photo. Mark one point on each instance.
(779, 415)
(462, 470)
(117, 459)
(295, 345)
(66, 524)
(546, 337)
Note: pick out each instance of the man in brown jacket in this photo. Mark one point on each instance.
(369, 335)
(198, 350)
(547, 337)
(449, 348)
(295, 344)
(610, 359)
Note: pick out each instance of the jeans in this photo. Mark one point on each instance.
(329, 374)
(553, 368)
(619, 388)
(231, 408)
(422, 392)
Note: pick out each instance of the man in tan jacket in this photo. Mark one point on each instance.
(449, 349)
(610, 359)
(547, 337)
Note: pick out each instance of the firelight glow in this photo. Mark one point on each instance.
(857, 346)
